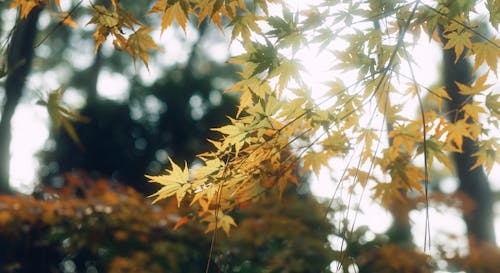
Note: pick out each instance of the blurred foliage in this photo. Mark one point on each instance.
(482, 258)
(104, 226)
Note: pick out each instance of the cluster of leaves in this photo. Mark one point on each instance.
(105, 226)
(278, 123)
(130, 35)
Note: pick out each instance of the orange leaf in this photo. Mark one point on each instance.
(139, 44)
(178, 11)
(181, 222)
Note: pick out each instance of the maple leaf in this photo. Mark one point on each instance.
(387, 193)
(493, 7)
(209, 9)
(232, 7)
(478, 86)
(486, 52)
(487, 154)
(435, 150)
(235, 135)
(219, 220)
(316, 160)
(455, 134)
(170, 10)
(361, 176)
(493, 104)
(65, 18)
(244, 25)
(285, 30)
(139, 44)
(406, 136)
(262, 4)
(112, 22)
(62, 116)
(175, 181)
(181, 222)
(107, 22)
(438, 93)
(286, 70)
(458, 41)
(472, 110)
(336, 143)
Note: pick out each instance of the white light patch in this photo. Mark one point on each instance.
(447, 228)
(29, 133)
(427, 57)
(113, 86)
(449, 185)
(372, 215)
(74, 98)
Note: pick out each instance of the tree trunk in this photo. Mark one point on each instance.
(400, 230)
(473, 183)
(19, 57)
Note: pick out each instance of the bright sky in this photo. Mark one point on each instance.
(28, 137)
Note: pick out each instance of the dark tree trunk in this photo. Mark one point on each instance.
(93, 77)
(19, 57)
(473, 183)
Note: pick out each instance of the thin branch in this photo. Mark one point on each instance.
(471, 29)
(59, 24)
(427, 240)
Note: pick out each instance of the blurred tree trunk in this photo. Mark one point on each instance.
(19, 57)
(473, 183)
(400, 230)
(93, 76)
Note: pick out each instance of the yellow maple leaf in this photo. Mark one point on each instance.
(61, 115)
(455, 134)
(219, 220)
(244, 25)
(139, 44)
(488, 52)
(107, 22)
(178, 10)
(493, 104)
(478, 86)
(314, 160)
(175, 181)
(65, 18)
(487, 154)
(210, 9)
(438, 94)
(472, 110)
(458, 41)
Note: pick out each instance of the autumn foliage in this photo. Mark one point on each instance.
(283, 129)
(110, 227)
